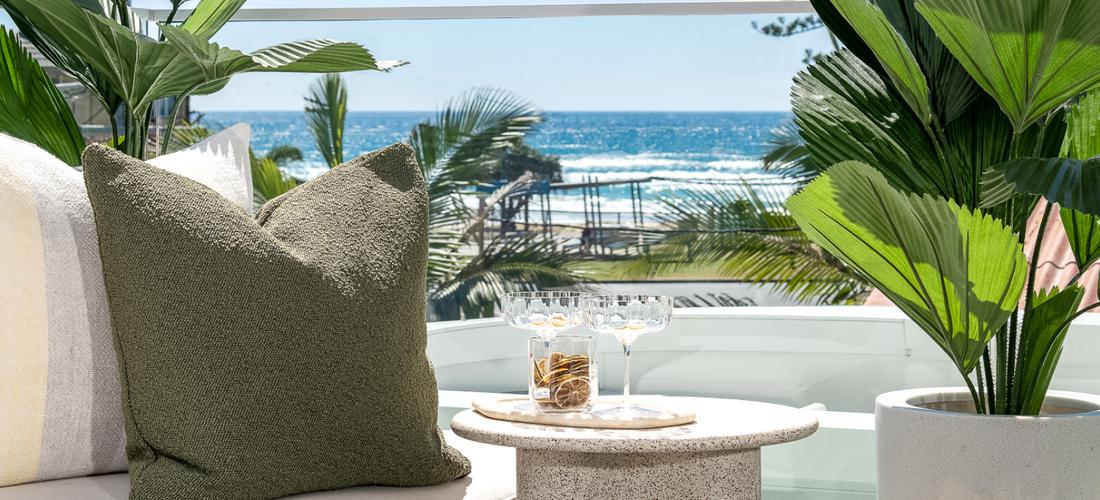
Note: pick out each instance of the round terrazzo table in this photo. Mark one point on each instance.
(717, 456)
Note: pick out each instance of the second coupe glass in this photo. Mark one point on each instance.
(628, 317)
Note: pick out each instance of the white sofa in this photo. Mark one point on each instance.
(493, 477)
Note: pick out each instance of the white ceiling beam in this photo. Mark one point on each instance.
(507, 11)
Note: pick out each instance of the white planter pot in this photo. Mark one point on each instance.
(930, 444)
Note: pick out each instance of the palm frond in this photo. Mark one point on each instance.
(788, 156)
(749, 234)
(506, 264)
(268, 180)
(326, 110)
(464, 139)
(284, 153)
(34, 109)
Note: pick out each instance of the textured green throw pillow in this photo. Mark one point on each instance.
(277, 355)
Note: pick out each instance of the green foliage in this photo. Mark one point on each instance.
(34, 110)
(845, 111)
(282, 154)
(127, 68)
(209, 16)
(71, 63)
(957, 273)
(1041, 339)
(1069, 182)
(521, 158)
(462, 145)
(788, 156)
(748, 232)
(892, 53)
(268, 180)
(1031, 56)
(326, 111)
(1000, 76)
(951, 89)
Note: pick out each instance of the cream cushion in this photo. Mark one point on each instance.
(60, 408)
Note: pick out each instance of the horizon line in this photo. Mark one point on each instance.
(299, 110)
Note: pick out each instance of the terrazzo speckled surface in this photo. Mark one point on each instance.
(716, 457)
(521, 410)
(721, 424)
(556, 475)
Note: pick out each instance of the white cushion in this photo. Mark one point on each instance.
(60, 406)
(493, 477)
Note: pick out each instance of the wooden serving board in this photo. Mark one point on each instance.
(519, 409)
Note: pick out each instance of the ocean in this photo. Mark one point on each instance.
(685, 149)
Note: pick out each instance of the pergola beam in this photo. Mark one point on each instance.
(506, 11)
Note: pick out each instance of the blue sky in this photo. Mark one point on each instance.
(709, 63)
(704, 63)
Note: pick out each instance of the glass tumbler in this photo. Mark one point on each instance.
(563, 373)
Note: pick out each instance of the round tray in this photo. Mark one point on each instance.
(519, 409)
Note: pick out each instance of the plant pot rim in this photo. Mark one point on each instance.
(909, 399)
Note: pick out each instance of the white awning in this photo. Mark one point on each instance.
(366, 10)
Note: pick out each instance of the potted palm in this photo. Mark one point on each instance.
(947, 125)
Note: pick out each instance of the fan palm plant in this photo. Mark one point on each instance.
(943, 143)
(100, 46)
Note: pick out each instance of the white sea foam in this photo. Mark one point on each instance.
(628, 161)
(735, 164)
(669, 176)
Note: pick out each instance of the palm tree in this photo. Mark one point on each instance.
(454, 150)
(326, 111)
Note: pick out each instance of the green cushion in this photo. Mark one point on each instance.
(277, 355)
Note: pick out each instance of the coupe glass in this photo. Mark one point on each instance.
(628, 317)
(545, 313)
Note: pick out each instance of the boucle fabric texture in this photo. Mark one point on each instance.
(60, 410)
(262, 357)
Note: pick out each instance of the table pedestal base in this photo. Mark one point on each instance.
(554, 475)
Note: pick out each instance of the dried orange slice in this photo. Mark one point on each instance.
(541, 366)
(572, 393)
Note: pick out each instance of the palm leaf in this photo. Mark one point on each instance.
(1030, 55)
(843, 31)
(209, 16)
(1082, 140)
(747, 231)
(34, 110)
(951, 89)
(844, 111)
(284, 153)
(1069, 182)
(891, 51)
(141, 70)
(326, 110)
(269, 181)
(506, 264)
(787, 155)
(318, 56)
(1041, 345)
(465, 137)
(57, 53)
(956, 273)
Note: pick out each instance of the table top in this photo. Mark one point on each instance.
(721, 424)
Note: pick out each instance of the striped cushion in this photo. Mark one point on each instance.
(60, 409)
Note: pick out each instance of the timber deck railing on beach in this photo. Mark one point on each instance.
(596, 232)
